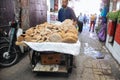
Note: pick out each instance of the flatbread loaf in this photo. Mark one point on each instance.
(49, 32)
(20, 38)
(69, 40)
(55, 37)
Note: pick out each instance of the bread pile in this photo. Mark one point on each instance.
(48, 32)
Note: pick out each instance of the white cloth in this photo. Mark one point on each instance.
(19, 32)
(65, 48)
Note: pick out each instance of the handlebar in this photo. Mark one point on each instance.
(4, 26)
(12, 24)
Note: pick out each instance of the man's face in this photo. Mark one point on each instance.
(64, 3)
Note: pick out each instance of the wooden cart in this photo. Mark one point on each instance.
(49, 61)
(53, 57)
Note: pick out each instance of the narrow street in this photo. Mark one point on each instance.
(93, 63)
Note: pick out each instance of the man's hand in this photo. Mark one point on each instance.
(75, 23)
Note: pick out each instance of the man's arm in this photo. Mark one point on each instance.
(59, 15)
(73, 16)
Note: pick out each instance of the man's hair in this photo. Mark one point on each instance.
(67, 0)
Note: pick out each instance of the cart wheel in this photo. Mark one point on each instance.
(34, 61)
(70, 63)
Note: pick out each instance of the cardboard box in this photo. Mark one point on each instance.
(50, 58)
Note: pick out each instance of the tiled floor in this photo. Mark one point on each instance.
(93, 63)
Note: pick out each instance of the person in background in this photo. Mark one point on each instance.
(66, 12)
(84, 19)
(92, 22)
(80, 17)
(88, 18)
(95, 16)
(80, 22)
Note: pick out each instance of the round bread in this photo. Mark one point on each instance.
(65, 32)
(33, 40)
(62, 33)
(55, 37)
(37, 37)
(20, 38)
(72, 31)
(69, 40)
(44, 39)
(29, 31)
(71, 35)
(28, 38)
(44, 24)
(67, 21)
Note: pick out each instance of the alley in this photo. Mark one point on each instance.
(93, 63)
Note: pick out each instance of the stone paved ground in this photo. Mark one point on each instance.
(87, 66)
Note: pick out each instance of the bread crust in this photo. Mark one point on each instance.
(48, 32)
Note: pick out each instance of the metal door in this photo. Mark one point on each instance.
(6, 11)
(38, 12)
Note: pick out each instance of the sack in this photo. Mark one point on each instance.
(102, 33)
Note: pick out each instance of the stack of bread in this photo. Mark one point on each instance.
(48, 32)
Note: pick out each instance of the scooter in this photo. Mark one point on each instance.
(9, 52)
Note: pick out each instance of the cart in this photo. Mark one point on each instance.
(53, 57)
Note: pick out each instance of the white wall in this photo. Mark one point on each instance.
(114, 49)
(85, 6)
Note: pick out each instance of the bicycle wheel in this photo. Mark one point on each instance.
(8, 58)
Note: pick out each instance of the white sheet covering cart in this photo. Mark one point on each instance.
(67, 50)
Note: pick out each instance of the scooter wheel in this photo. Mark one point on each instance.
(8, 58)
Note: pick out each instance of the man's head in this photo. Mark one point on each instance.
(81, 14)
(64, 3)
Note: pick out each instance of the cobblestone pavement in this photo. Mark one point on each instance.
(88, 64)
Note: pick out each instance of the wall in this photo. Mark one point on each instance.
(52, 4)
(20, 10)
(6, 12)
(114, 47)
(37, 12)
(25, 14)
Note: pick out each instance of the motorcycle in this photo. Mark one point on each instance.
(9, 51)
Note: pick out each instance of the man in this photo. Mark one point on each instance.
(92, 22)
(66, 12)
(85, 19)
(80, 17)
(80, 22)
(95, 15)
